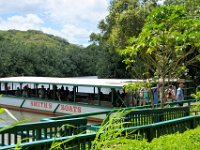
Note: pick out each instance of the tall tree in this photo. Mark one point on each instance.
(168, 43)
(126, 19)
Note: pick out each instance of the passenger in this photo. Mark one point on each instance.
(58, 94)
(114, 96)
(71, 96)
(48, 94)
(179, 93)
(136, 98)
(90, 98)
(25, 91)
(66, 93)
(18, 92)
(170, 94)
(129, 98)
(101, 95)
(149, 94)
(41, 92)
(62, 93)
(143, 96)
(118, 101)
(54, 92)
(154, 90)
(29, 92)
(123, 96)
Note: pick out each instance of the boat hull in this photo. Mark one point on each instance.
(51, 107)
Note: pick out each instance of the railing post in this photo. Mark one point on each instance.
(150, 134)
(194, 123)
(187, 112)
(161, 117)
(38, 134)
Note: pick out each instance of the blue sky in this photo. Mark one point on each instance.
(73, 20)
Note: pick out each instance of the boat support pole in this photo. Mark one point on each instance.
(22, 103)
(112, 95)
(99, 96)
(54, 111)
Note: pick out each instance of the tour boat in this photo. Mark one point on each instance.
(60, 96)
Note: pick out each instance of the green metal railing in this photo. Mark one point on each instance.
(149, 116)
(29, 132)
(84, 141)
(74, 124)
(171, 104)
(166, 127)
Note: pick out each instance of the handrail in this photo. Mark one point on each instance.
(84, 141)
(115, 110)
(42, 130)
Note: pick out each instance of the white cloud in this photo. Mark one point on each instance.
(70, 19)
(73, 34)
(77, 10)
(30, 21)
(21, 6)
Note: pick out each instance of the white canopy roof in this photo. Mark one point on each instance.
(111, 83)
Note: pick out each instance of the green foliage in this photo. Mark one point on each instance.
(109, 134)
(33, 53)
(169, 40)
(197, 95)
(192, 6)
(195, 107)
(186, 141)
(126, 19)
(1, 110)
(133, 87)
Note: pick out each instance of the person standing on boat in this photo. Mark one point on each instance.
(25, 91)
(48, 94)
(179, 93)
(42, 92)
(144, 95)
(18, 92)
(170, 93)
(154, 90)
(66, 93)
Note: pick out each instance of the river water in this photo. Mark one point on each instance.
(6, 119)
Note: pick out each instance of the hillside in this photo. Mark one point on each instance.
(34, 53)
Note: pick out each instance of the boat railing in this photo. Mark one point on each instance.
(85, 98)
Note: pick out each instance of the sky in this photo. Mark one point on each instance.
(73, 20)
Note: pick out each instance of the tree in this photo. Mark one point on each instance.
(126, 19)
(168, 43)
(193, 9)
(33, 53)
(192, 6)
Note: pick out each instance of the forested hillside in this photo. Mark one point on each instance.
(33, 53)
